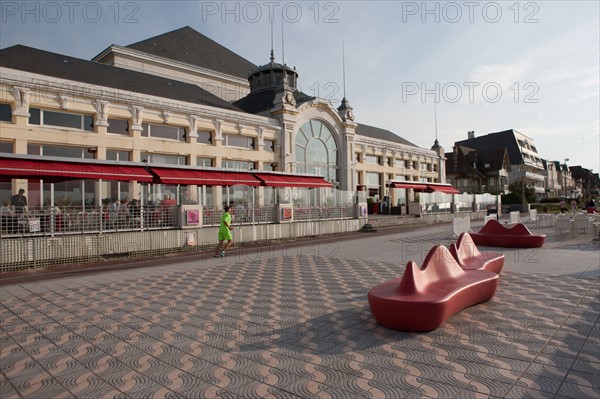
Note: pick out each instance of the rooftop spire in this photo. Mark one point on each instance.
(435, 118)
(343, 70)
(282, 44)
(272, 52)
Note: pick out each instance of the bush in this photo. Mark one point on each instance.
(550, 200)
(546, 208)
(512, 198)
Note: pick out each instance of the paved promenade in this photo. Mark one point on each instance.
(292, 321)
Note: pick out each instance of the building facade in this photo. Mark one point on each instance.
(526, 164)
(181, 99)
(478, 171)
(554, 186)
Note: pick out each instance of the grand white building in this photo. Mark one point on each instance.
(182, 103)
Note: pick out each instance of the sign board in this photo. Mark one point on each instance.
(192, 216)
(286, 213)
(34, 225)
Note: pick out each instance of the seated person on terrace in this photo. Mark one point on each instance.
(168, 205)
(9, 218)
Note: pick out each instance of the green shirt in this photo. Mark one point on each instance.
(225, 218)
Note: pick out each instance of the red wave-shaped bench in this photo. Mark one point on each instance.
(493, 234)
(468, 257)
(423, 299)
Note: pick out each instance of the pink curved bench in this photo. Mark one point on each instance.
(468, 257)
(423, 299)
(493, 234)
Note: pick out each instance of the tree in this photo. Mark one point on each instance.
(516, 188)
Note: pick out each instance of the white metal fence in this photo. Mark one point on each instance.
(28, 252)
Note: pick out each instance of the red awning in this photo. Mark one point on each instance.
(443, 188)
(403, 184)
(61, 171)
(204, 177)
(277, 180)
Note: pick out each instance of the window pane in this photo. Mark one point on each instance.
(167, 132)
(34, 116)
(204, 138)
(205, 162)
(88, 123)
(269, 146)
(66, 152)
(61, 119)
(144, 130)
(5, 191)
(6, 146)
(300, 154)
(373, 179)
(237, 165)
(89, 188)
(301, 138)
(320, 149)
(66, 194)
(316, 128)
(33, 149)
(165, 159)
(316, 152)
(372, 159)
(114, 155)
(5, 113)
(118, 126)
(239, 141)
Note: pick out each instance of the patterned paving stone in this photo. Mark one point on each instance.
(6, 389)
(299, 328)
(570, 390)
(522, 392)
(585, 379)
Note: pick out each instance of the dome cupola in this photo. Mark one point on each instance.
(272, 76)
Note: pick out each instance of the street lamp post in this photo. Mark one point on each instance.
(590, 176)
(523, 189)
(523, 201)
(565, 176)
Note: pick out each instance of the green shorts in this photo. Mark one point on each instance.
(225, 236)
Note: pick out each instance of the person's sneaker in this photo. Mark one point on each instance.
(217, 256)
(222, 253)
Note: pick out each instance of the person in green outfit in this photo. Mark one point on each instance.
(224, 233)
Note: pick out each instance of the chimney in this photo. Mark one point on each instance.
(471, 134)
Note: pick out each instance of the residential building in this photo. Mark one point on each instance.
(553, 181)
(526, 163)
(564, 176)
(585, 182)
(478, 171)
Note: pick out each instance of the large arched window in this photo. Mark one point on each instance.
(317, 151)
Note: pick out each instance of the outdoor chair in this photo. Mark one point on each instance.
(581, 224)
(515, 217)
(562, 225)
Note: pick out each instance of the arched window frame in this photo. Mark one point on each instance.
(320, 133)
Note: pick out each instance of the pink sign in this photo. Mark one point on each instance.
(192, 216)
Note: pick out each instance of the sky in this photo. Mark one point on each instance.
(482, 66)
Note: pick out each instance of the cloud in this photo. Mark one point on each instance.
(504, 74)
(593, 81)
(584, 97)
